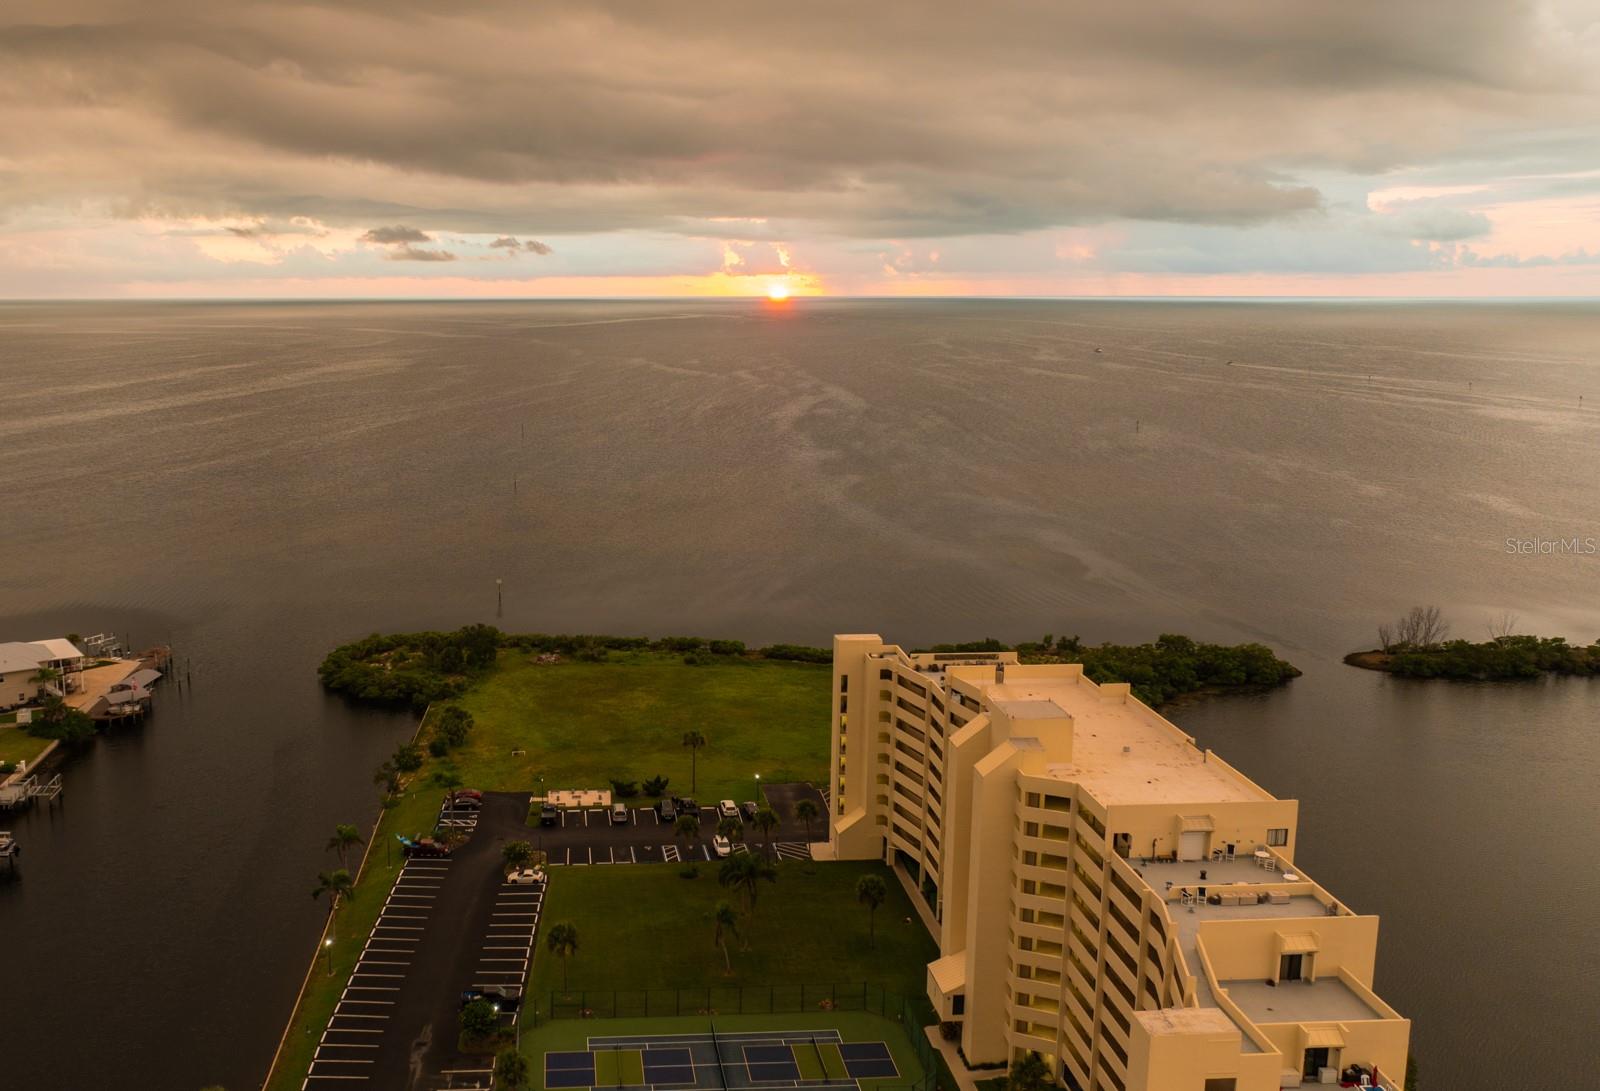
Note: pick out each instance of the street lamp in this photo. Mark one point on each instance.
(327, 949)
(759, 800)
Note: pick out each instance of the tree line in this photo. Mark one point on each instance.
(421, 668)
(1159, 672)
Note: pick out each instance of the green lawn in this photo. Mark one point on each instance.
(581, 724)
(853, 1026)
(645, 927)
(17, 745)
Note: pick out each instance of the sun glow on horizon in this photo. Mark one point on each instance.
(777, 291)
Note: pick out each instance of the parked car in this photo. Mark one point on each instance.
(503, 997)
(687, 805)
(747, 810)
(668, 810)
(550, 815)
(720, 845)
(528, 876)
(727, 809)
(469, 793)
(619, 814)
(465, 801)
(424, 846)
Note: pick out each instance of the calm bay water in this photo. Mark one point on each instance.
(255, 483)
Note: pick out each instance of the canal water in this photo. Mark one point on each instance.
(255, 483)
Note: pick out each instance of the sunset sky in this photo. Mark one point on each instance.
(154, 148)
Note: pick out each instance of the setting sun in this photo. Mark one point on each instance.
(777, 291)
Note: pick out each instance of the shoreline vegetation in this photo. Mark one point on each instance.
(1417, 646)
(418, 669)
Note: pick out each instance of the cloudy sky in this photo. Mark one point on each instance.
(937, 147)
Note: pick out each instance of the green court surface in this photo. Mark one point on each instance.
(618, 1068)
(623, 1067)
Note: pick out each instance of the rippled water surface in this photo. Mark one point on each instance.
(255, 483)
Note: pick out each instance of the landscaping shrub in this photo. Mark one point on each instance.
(61, 722)
(479, 1020)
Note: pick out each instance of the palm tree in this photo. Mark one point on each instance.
(694, 740)
(450, 780)
(727, 925)
(1029, 1073)
(766, 820)
(338, 886)
(344, 836)
(745, 874)
(686, 829)
(871, 892)
(46, 676)
(807, 811)
(563, 943)
(731, 828)
(516, 855)
(388, 777)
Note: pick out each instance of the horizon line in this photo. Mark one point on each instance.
(797, 300)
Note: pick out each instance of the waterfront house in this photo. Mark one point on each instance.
(61, 654)
(19, 665)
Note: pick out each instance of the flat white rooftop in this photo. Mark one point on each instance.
(1328, 999)
(1121, 750)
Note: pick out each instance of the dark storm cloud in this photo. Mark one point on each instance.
(397, 233)
(532, 246)
(891, 119)
(415, 253)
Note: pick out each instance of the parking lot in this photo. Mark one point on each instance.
(453, 922)
(447, 924)
(589, 836)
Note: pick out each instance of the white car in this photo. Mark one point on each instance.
(721, 845)
(527, 876)
(727, 809)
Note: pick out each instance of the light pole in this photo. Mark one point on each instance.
(759, 800)
(327, 950)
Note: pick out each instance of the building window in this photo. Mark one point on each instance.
(1278, 836)
(958, 1004)
(1221, 1083)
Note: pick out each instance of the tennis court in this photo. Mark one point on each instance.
(819, 1060)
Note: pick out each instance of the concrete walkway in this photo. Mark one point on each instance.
(966, 1079)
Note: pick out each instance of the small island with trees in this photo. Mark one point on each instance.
(1418, 645)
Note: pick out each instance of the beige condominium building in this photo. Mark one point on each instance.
(1103, 892)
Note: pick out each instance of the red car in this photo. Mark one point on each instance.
(426, 846)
